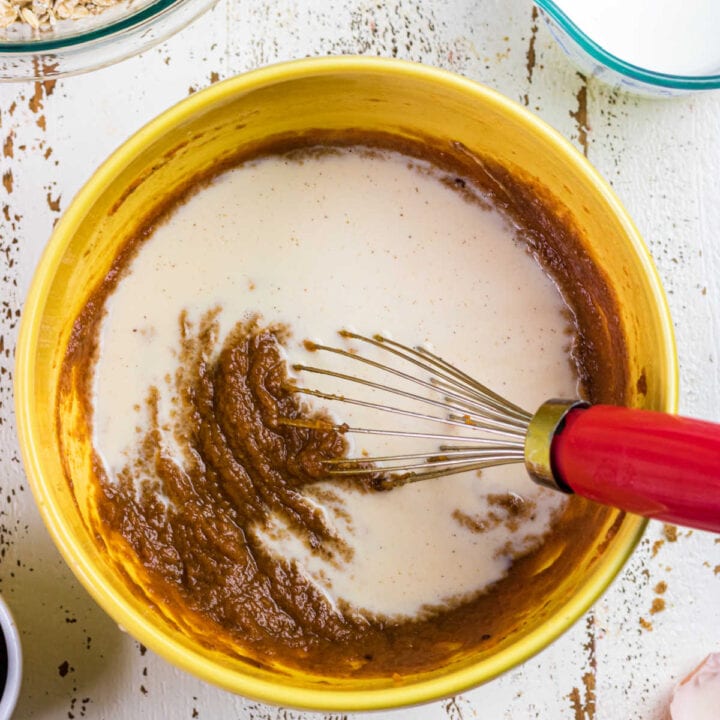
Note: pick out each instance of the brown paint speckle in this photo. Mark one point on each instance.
(54, 205)
(453, 708)
(645, 625)
(581, 115)
(8, 150)
(583, 704)
(36, 101)
(658, 605)
(40, 92)
(670, 532)
(530, 55)
(589, 705)
(576, 704)
(7, 181)
(661, 587)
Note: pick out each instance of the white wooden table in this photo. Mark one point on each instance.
(663, 159)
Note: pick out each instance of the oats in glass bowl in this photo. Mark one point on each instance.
(42, 39)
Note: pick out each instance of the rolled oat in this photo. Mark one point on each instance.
(42, 15)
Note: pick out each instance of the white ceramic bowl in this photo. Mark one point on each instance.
(13, 678)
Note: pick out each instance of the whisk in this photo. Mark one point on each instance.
(650, 463)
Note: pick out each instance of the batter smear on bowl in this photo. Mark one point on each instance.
(222, 517)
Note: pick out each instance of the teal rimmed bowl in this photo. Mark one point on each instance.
(593, 59)
(77, 45)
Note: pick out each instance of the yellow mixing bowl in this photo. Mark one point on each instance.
(203, 130)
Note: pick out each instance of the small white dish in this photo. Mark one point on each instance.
(13, 671)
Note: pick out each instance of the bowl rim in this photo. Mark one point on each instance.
(322, 699)
(620, 66)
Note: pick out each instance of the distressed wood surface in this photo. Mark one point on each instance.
(662, 614)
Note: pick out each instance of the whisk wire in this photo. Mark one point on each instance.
(502, 425)
(408, 474)
(315, 425)
(461, 388)
(461, 379)
(434, 457)
(464, 419)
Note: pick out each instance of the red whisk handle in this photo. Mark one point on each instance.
(654, 464)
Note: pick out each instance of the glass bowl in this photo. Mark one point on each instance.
(593, 59)
(77, 45)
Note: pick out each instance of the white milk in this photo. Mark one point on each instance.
(373, 244)
(678, 38)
